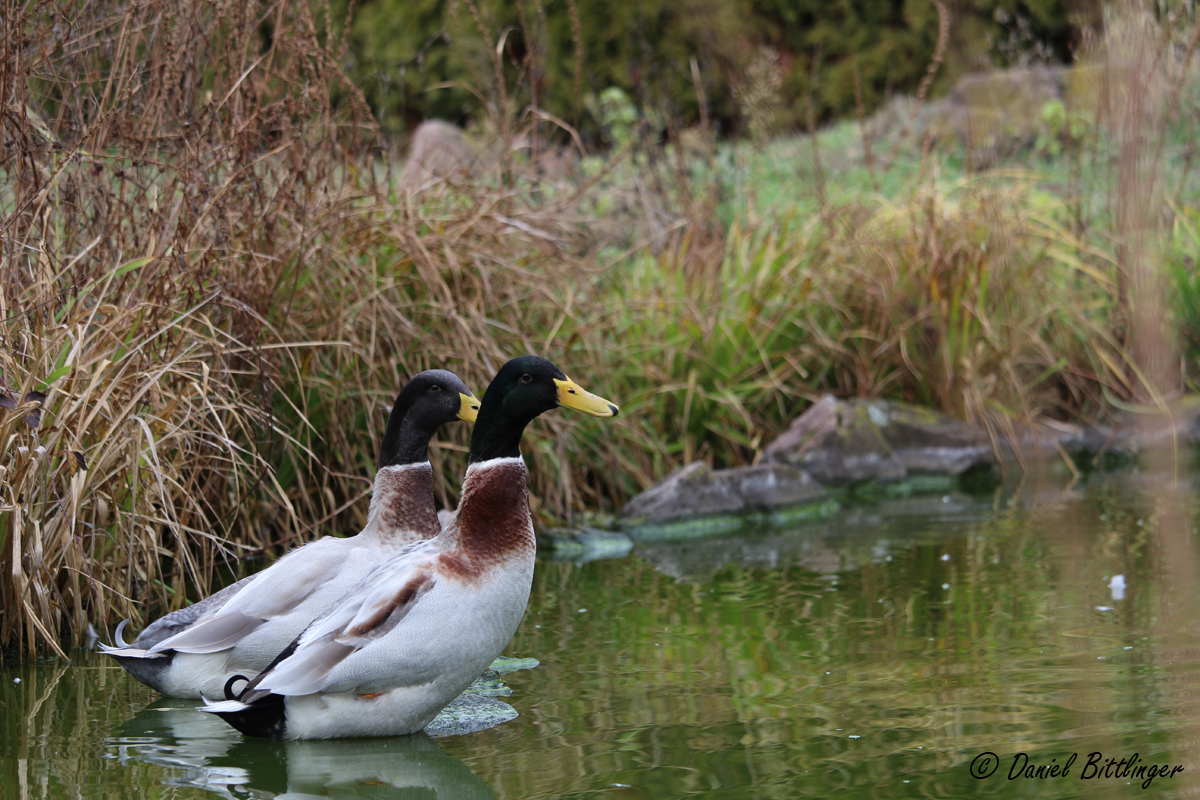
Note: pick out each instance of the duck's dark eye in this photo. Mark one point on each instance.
(527, 378)
(435, 388)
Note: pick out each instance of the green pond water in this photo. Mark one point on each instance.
(882, 652)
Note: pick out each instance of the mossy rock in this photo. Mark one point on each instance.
(478, 708)
(718, 525)
(856, 442)
(998, 111)
(1087, 87)
(698, 490)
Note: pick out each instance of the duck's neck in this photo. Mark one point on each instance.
(402, 508)
(404, 440)
(494, 522)
(497, 432)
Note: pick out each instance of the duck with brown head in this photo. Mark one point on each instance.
(241, 629)
(385, 660)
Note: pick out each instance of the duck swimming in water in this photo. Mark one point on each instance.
(241, 629)
(389, 656)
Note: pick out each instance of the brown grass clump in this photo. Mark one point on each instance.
(216, 290)
(973, 299)
(165, 170)
(127, 467)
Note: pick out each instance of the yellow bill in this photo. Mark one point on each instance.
(468, 408)
(572, 395)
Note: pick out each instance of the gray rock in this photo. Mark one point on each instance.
(1102, 440)
(835, 446)
(1176, 425)
(439, 150)
(995, 113)
(842, 443)
(584, 544)
(1047, 440)
(469, 713)
(698, 490)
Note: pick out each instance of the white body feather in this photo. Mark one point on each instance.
(253, 625)
(413, 637)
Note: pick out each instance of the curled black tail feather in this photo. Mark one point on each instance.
(252, 693)
(229, 695)
(264, 714)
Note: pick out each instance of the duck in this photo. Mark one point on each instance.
(192, 652)
(390, 655)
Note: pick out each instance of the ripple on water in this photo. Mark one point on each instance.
(787, 664)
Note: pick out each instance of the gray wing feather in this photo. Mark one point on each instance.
(216, 634)
(305, 673)
(347, 628)
(184, 618)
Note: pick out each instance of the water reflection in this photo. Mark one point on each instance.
(172, 733)
(877, 653)
(858, 534)
(203, 752)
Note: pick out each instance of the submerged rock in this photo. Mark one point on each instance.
(478, 708)
(584, 544)
(692, 529)
(468, 713)
(697, 489)
(842, 443)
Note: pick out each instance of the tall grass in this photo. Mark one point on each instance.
(214, 289)
(965, 297)
(166, 169)
(213, 276)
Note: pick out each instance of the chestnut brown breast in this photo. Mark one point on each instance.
(405, 500)
(494, 524)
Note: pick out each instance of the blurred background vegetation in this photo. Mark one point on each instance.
(413, 60)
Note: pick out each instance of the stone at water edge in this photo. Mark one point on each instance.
(478, 708)
(843, 443)
(699, 490)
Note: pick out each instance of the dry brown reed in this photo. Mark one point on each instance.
(214, 291)
(168, 171)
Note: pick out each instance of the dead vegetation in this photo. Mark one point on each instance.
(210, 288)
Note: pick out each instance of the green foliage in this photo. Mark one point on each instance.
(1184, 276)
(400, 54)
(420, 59)
(616, 115)
(217, 323)
(1063, 129)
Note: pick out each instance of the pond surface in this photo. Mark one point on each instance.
(879, 652)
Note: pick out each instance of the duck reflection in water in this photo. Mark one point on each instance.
(206, 753)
